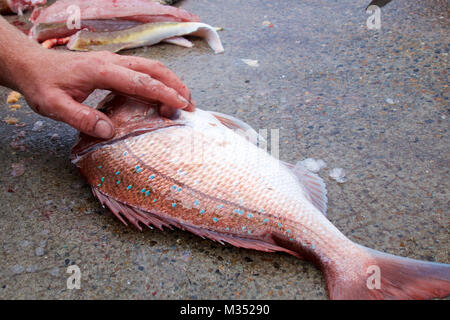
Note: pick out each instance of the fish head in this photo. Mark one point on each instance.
(131, 117)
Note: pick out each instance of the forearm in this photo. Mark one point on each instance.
(16, 53)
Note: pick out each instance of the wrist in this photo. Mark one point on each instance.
(18, 55)
(21, 67)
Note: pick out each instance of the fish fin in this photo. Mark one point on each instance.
(179, 41)
(133, 215)
(313, 186)
(136, 216)
(240, 127)
(399, 278)
(240, 242)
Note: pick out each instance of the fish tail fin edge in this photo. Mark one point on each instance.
(399, 279)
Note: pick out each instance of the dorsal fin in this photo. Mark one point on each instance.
(240, 127)
(314, 187)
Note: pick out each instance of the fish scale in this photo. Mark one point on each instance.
(232, 217)
(195, 173)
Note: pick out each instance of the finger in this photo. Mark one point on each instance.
(168, 112)
(171, 113)
(156, 70)
(139, 85)
(81, 117)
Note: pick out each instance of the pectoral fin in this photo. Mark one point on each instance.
(240, 127)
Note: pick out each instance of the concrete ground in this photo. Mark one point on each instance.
(374, 102)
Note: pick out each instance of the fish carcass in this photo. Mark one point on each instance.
(198, 173)
(19, 6)
(101, 16)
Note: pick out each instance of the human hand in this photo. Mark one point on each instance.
(55, 83)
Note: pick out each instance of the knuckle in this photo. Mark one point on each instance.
(158, 64)
(84, 120)
(141, 82)
(104, 54)
(127, 61)
(102, 68)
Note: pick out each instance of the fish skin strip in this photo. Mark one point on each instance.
(143, 35)
(229, 190)
(138, 10)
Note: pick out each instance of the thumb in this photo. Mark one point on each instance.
(83, 118)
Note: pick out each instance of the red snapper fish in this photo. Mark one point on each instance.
(202, 172)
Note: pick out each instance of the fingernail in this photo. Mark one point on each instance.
(103, 129)
(192, 105)
(182, 99)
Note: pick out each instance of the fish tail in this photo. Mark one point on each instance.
(389, 277)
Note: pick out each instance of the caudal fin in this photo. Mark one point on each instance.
(386, 277)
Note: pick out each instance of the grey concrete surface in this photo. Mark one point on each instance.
(374, 102)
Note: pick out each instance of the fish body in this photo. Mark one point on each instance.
(143, 35)
(198, 173)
